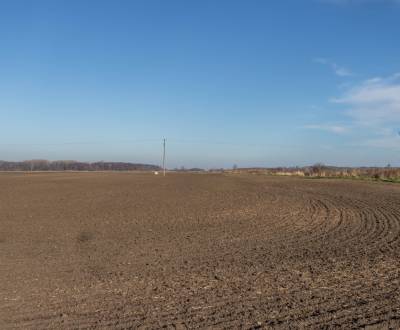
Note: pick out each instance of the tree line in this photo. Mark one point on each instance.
(69, 165)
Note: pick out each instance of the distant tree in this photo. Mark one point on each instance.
(318, 168)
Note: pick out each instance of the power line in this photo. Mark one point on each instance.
(173, 141)
(80, 142)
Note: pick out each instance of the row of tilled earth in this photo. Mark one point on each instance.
(132, 250)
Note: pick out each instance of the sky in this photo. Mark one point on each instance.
(251, 83)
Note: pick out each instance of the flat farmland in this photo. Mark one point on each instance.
(134, 250)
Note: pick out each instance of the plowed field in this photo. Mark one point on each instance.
(122, 250)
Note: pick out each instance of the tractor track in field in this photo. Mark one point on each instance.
(135, 251)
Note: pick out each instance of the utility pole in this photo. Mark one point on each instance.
(163, 159)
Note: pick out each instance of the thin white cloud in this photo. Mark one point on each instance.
(338, 129)
(337, 69)
(390, 142)
(372, 108)
(374, 101)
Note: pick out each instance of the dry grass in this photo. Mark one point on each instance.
(391, 174)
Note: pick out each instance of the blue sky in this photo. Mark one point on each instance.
(253, 83)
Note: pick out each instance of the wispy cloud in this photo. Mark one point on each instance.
(373, 106)
(338, 129)
(374, 101)
(337, 69)
(372, 109)
(391, 142)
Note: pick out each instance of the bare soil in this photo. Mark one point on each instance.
(131, 250)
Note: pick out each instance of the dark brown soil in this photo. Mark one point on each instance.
(121, 250)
